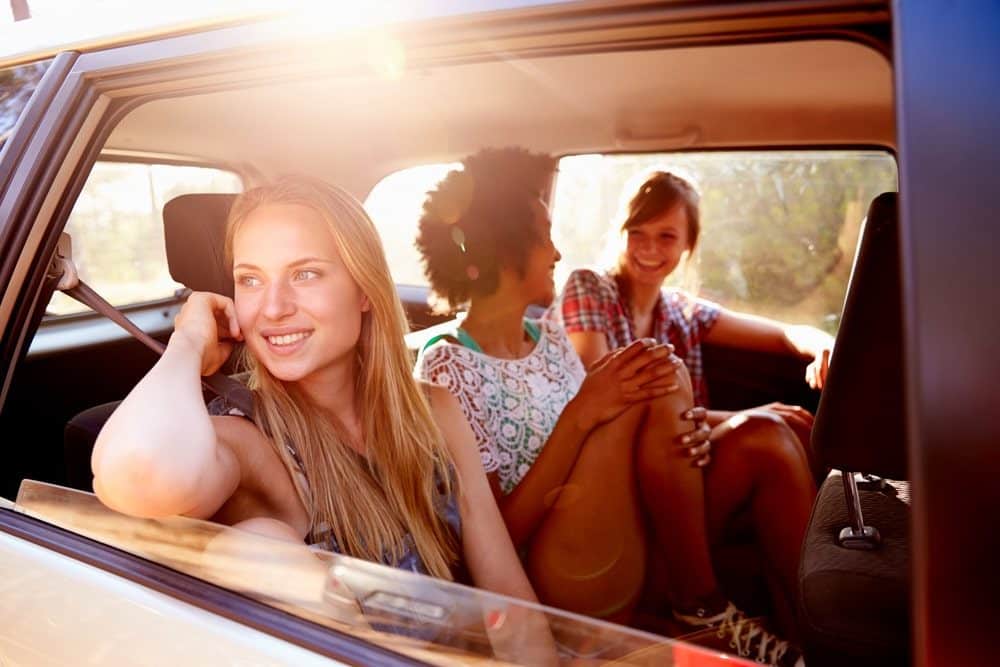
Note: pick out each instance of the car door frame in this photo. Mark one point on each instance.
(948, 124)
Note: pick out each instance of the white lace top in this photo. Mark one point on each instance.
(511, 404)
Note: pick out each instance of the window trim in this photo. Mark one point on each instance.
(283, 625)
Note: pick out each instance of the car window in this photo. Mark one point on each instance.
(395, 205)
(16, 86)
(778, 228)
(117, 229)
(429, 619)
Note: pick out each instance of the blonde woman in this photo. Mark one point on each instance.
(344, 449)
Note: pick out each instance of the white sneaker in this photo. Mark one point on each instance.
(731, 630)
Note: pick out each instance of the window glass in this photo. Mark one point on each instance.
(778, 228)
(117, 229)
(16, 86)
(395, 205)
(436, 621)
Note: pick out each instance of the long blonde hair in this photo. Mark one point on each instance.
(368, 503)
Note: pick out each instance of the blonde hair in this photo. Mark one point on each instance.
(368, 503)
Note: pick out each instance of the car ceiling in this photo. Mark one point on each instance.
(355, 129)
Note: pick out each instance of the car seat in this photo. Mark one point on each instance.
(854, 576)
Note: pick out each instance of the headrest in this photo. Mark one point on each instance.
(194, 229)
(860, 423)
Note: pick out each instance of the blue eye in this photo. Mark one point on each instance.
(306, 274)
(248, 281)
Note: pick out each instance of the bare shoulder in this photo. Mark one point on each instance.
(444, 406)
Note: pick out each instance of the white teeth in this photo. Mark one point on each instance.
(287, 339)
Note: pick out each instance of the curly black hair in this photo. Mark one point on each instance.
(480, 219)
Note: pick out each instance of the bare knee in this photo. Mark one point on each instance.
(667, 412)
(761, 439)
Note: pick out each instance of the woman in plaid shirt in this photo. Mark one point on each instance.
(594, 470)
(602, 311)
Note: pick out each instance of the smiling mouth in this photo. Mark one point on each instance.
(649, 266)
(287, 339)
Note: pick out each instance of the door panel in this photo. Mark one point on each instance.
(71, 613)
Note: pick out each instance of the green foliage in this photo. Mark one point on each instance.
(779, 229)
(16, 86)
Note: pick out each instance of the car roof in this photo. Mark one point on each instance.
(102, 25)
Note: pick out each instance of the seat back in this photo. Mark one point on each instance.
(860, 423)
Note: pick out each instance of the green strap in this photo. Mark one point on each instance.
(533, 330)
(465, 339)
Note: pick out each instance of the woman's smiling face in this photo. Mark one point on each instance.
(653, 249)
(297, 305)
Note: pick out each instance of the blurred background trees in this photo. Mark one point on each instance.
(779, 229)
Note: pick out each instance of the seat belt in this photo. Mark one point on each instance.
(70, 284)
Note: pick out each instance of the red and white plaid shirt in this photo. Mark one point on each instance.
(591, 302)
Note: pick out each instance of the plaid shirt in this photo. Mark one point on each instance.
(591, 302)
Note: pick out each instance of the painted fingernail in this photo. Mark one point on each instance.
(686, 438)
(693, 451)
(672, 387)
(689, 414)
(495, 619)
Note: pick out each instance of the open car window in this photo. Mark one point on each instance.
(429, 619)
(778, 228)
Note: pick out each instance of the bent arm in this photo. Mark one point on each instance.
(489, 553)
(751, 332)
(159, 453)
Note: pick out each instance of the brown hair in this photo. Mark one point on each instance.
(369, 503)
(659, 193)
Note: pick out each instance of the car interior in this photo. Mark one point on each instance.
(355, 119)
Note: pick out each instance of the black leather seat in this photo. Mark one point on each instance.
(854, 577)
(194, 233)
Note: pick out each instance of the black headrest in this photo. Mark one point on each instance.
(194, 229)
(860, 423)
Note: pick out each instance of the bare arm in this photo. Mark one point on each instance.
(486, 545)
(758, 333)
(159, 454)
(489, 553)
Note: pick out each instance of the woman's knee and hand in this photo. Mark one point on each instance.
(632, 375)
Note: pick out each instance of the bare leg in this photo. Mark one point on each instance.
(673, 492)
(760, 464)
(589, 554)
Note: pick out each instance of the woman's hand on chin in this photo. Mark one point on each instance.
(208, 322)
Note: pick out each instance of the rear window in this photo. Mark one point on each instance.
(778, 228)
